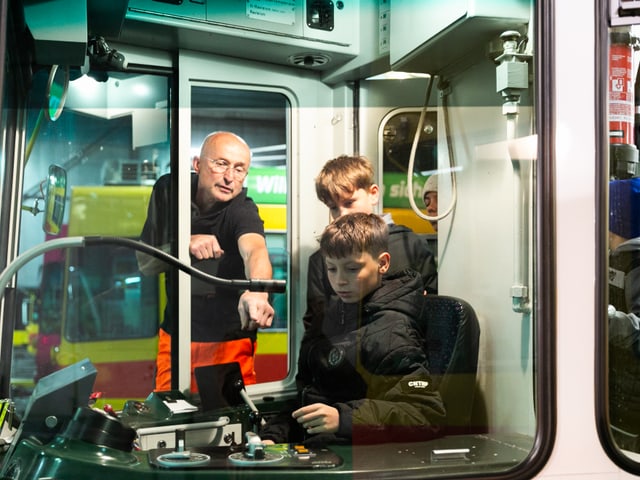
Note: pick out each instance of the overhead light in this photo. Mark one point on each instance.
(141, 89)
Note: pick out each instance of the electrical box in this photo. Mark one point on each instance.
(431, 36)
(296, 32)
(373, 56)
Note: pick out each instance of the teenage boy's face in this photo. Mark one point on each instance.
(355, 276)
(361, 200)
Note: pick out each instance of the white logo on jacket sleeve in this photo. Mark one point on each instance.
(418, 383)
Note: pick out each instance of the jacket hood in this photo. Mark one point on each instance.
(402, 292)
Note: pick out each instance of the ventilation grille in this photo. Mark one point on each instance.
(309, 59)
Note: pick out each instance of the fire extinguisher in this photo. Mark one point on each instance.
(623, 95)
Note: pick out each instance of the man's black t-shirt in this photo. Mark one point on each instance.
(214, 309)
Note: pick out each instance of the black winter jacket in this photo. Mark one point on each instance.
(408, 251)
(368, 361)
(624, 338)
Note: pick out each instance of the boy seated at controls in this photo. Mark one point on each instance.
(362, 373)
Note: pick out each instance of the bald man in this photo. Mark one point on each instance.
(227, 240)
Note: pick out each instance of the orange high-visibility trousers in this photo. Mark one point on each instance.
(206, 353)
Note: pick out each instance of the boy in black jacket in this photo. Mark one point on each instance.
(362, 373)
(345, 185)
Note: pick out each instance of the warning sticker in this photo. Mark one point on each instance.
(276, 11)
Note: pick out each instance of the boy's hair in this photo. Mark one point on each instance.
(343, 175)
(355, 233)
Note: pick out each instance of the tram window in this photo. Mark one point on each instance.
(475, 137)
(461, 133)
(107, 297)
(276, 243)
(112, 138)
(261, 118)
(398, 133)
(620, 234)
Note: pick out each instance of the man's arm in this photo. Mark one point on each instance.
(254, 308)
(155, 231)
(253, 249)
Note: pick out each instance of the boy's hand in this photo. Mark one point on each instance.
(318, 418)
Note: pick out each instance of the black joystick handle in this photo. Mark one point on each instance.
(255, 417)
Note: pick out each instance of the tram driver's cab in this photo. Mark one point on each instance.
(420, 88)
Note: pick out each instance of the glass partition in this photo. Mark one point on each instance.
(261, 117)
(457, 154)
(460, 154)
(111, 138)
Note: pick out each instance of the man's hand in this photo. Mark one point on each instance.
(205, 246)
(318, 418)
(255, 310)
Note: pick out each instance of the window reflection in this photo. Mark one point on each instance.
(112, 138)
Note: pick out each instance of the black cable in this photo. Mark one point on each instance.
(254, 285)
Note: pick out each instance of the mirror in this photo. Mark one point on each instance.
(55, 199)
(56, 93)
(55, 98)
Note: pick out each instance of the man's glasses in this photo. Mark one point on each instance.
(221, 166)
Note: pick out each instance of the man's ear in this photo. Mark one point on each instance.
(384, 262)
(196, 164)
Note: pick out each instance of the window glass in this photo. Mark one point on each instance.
(621, 236)
(112, 139)
(261, 118)
(457, 159)
(107, 299)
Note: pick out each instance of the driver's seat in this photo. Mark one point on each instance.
(452, 335)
